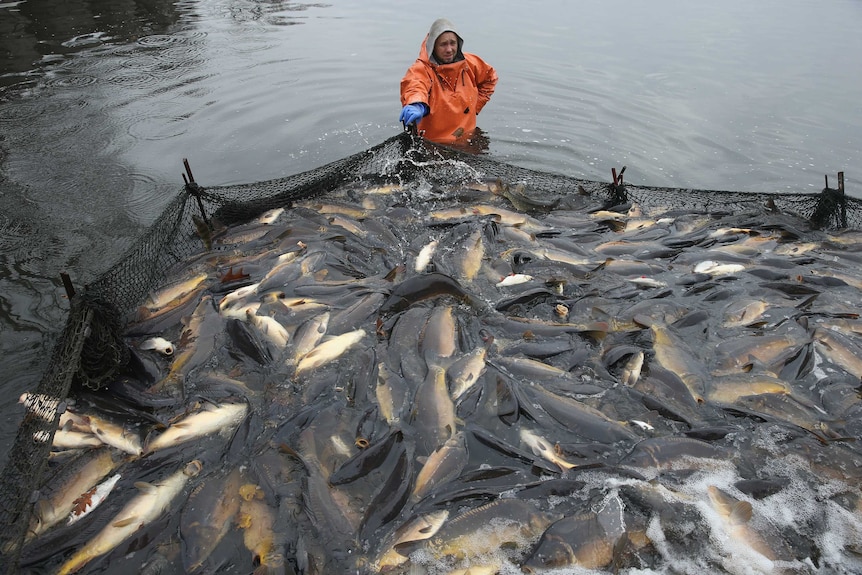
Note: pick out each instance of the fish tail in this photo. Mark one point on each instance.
(75, 563)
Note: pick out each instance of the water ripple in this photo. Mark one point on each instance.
(146, 197)
(160, 40)
(158, 127)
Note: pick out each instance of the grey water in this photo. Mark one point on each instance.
(101, 100)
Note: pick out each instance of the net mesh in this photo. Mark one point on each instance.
(90, 350)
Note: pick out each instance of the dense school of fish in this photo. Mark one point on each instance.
(410, 379)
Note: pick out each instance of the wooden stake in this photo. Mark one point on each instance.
(188, 170)
(67, 283)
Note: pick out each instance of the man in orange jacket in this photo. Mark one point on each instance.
(445, 88)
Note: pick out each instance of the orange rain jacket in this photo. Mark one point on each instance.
(454, 93)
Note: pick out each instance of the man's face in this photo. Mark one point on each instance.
(446, 47)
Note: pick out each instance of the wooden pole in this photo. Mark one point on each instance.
(67, 284)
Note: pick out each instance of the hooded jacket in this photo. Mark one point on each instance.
(454, 93)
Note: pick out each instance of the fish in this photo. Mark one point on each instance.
(270, 216)
(389, 500)
(649, 282)
(172, 296)
(788, 409)
(196, 343)
(423, 258)
(443, 465)
(632, 369)
(674, 354)
(576, 540)
(68, 485)
(579, 417)
(433, 413)
(333, 208)
(744, 312)
(771, 351)
(115, 435)
(391, 393)
(483, 569)
(523, 203)
(514, 279)
(159, 344)
(329, 350)
(65, 438)
(557, 255)
(464, 372)
(717, 269)
(471, 255)
(542, 447)
(729, 388)
(510, 217)
(88, 501)
(152, 501)
(643, 424)
(327, 507)
(387, 189)
(736, 521)
(403, 355)
(232, 303)
(366, 460)
(257, 521)
(840, 349)
(666, 452)
(208, 516)
(416, 529)
(422, 287)
(308, 336)
(212, 418)
(204, 230)
(270, 329)
(245, 235)
(439, 337)
(504, 523)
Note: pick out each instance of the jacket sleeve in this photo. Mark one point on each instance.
(416, 84)
(486, 81)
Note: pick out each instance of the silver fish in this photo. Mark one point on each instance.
(210, 419)
(142, 510)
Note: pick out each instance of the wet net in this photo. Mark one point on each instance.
(91, 351)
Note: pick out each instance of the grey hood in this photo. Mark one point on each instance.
(438, 27)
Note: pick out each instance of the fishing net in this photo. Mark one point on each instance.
(91, 349)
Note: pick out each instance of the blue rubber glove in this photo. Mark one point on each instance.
(412, 113)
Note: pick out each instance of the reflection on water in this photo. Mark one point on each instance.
(34, 34)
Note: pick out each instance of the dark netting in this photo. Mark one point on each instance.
(29, 453)
(91, 349)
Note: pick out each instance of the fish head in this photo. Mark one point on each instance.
(193, 468)
(552, 552)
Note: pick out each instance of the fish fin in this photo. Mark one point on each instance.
(422, 459)
(124, 522)
(645, 321)
(740, 513)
